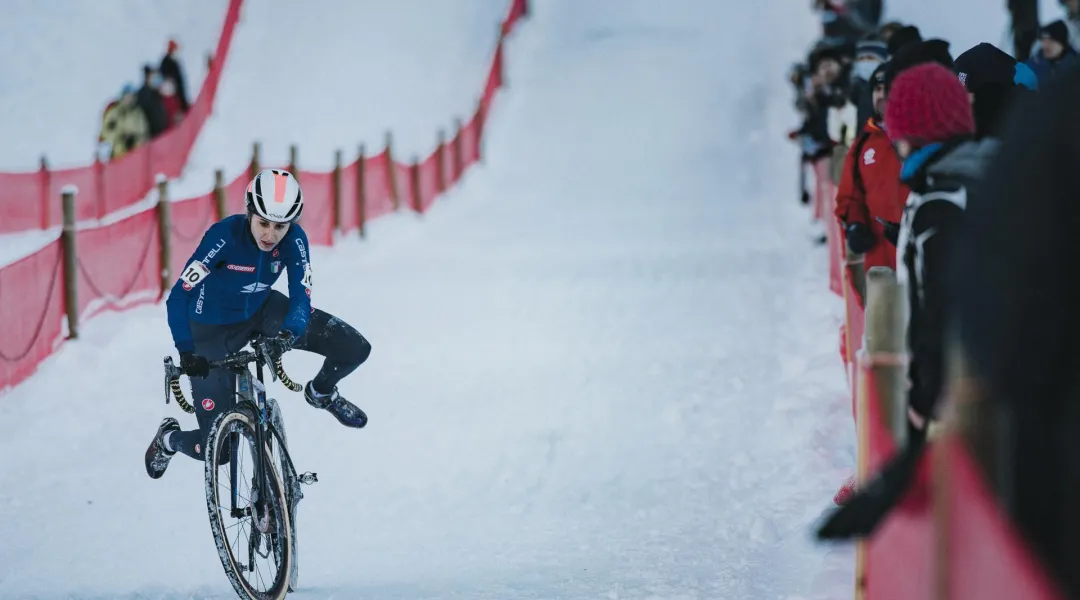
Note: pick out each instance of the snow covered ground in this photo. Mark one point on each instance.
(606, 366)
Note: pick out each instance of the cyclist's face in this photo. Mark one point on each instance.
(267, 233)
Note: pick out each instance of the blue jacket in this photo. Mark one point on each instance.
(228, 279)
(1045, 68)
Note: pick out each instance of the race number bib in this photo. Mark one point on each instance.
(307, 276)
(194, 274)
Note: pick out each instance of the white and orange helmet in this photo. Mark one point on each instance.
(275, 195)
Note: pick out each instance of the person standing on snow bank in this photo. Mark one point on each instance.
(223, 296)
(995, 81)
(869, 56)
(870, 187)
(1055, 52)
(170, 70)
(149, 101)
(123, 125)
(929, 119)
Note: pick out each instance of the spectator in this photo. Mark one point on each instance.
(1054, 51)
(149, 100)
(1025, 27)
(929, 118)
(171, 102)
(839, 23)
(170, 70)
(870, 187)
(821, 90)
(867, 12)
(907, 34)
(124, 125)
(869, 196)
(1072, 20)
(887, 30)
(1014, 305)
(994, 81)
(869, 56)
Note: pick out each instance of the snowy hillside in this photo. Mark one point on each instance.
(363, 68)
(64, 60)
(606, 366)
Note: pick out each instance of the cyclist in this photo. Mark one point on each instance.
(223, 296)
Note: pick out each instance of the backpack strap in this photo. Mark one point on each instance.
(856, 174)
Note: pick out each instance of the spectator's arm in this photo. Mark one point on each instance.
(850, 199)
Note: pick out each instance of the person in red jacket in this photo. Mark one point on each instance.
(869, 190)
(870, 187)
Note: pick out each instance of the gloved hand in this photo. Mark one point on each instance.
(859, 238)
(280, 344)
(892, 230)
(194, 365)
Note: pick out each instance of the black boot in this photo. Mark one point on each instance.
(347, 413)
(157, 457)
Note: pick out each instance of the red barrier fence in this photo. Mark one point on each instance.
(948, 538)
(32, 200)
(133, 260)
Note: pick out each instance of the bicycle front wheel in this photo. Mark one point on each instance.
(249, 518)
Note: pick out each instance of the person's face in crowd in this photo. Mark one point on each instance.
(828, 70)
(879, 99)
(865, 66)
(1052, 49)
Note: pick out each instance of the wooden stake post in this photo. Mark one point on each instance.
(219, 195)
(884, 353)
(361, 197)
(886, 346)
(391, 172)
(440, 168)
(164, 219)
(71, 268)
(337, 190)
(414, 174)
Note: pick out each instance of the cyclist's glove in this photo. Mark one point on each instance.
(280, 344)
(194, 365)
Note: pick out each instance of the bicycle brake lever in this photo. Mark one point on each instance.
(171, 372)
(267, 360)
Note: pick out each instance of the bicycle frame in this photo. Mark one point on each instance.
(249, 391)
(252, 392)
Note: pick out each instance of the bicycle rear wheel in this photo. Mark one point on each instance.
(246, 528)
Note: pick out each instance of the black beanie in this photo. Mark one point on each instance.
(985, 63)
(917, 53)
(1057, 31)
(909, 34)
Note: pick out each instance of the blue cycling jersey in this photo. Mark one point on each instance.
(228, 279)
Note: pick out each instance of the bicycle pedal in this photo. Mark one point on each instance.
(309, 478)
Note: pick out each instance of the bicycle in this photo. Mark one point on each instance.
(271, 503)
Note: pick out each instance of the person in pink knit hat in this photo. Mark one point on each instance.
(929, 120)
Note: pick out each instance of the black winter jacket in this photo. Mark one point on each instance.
(939, 176)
